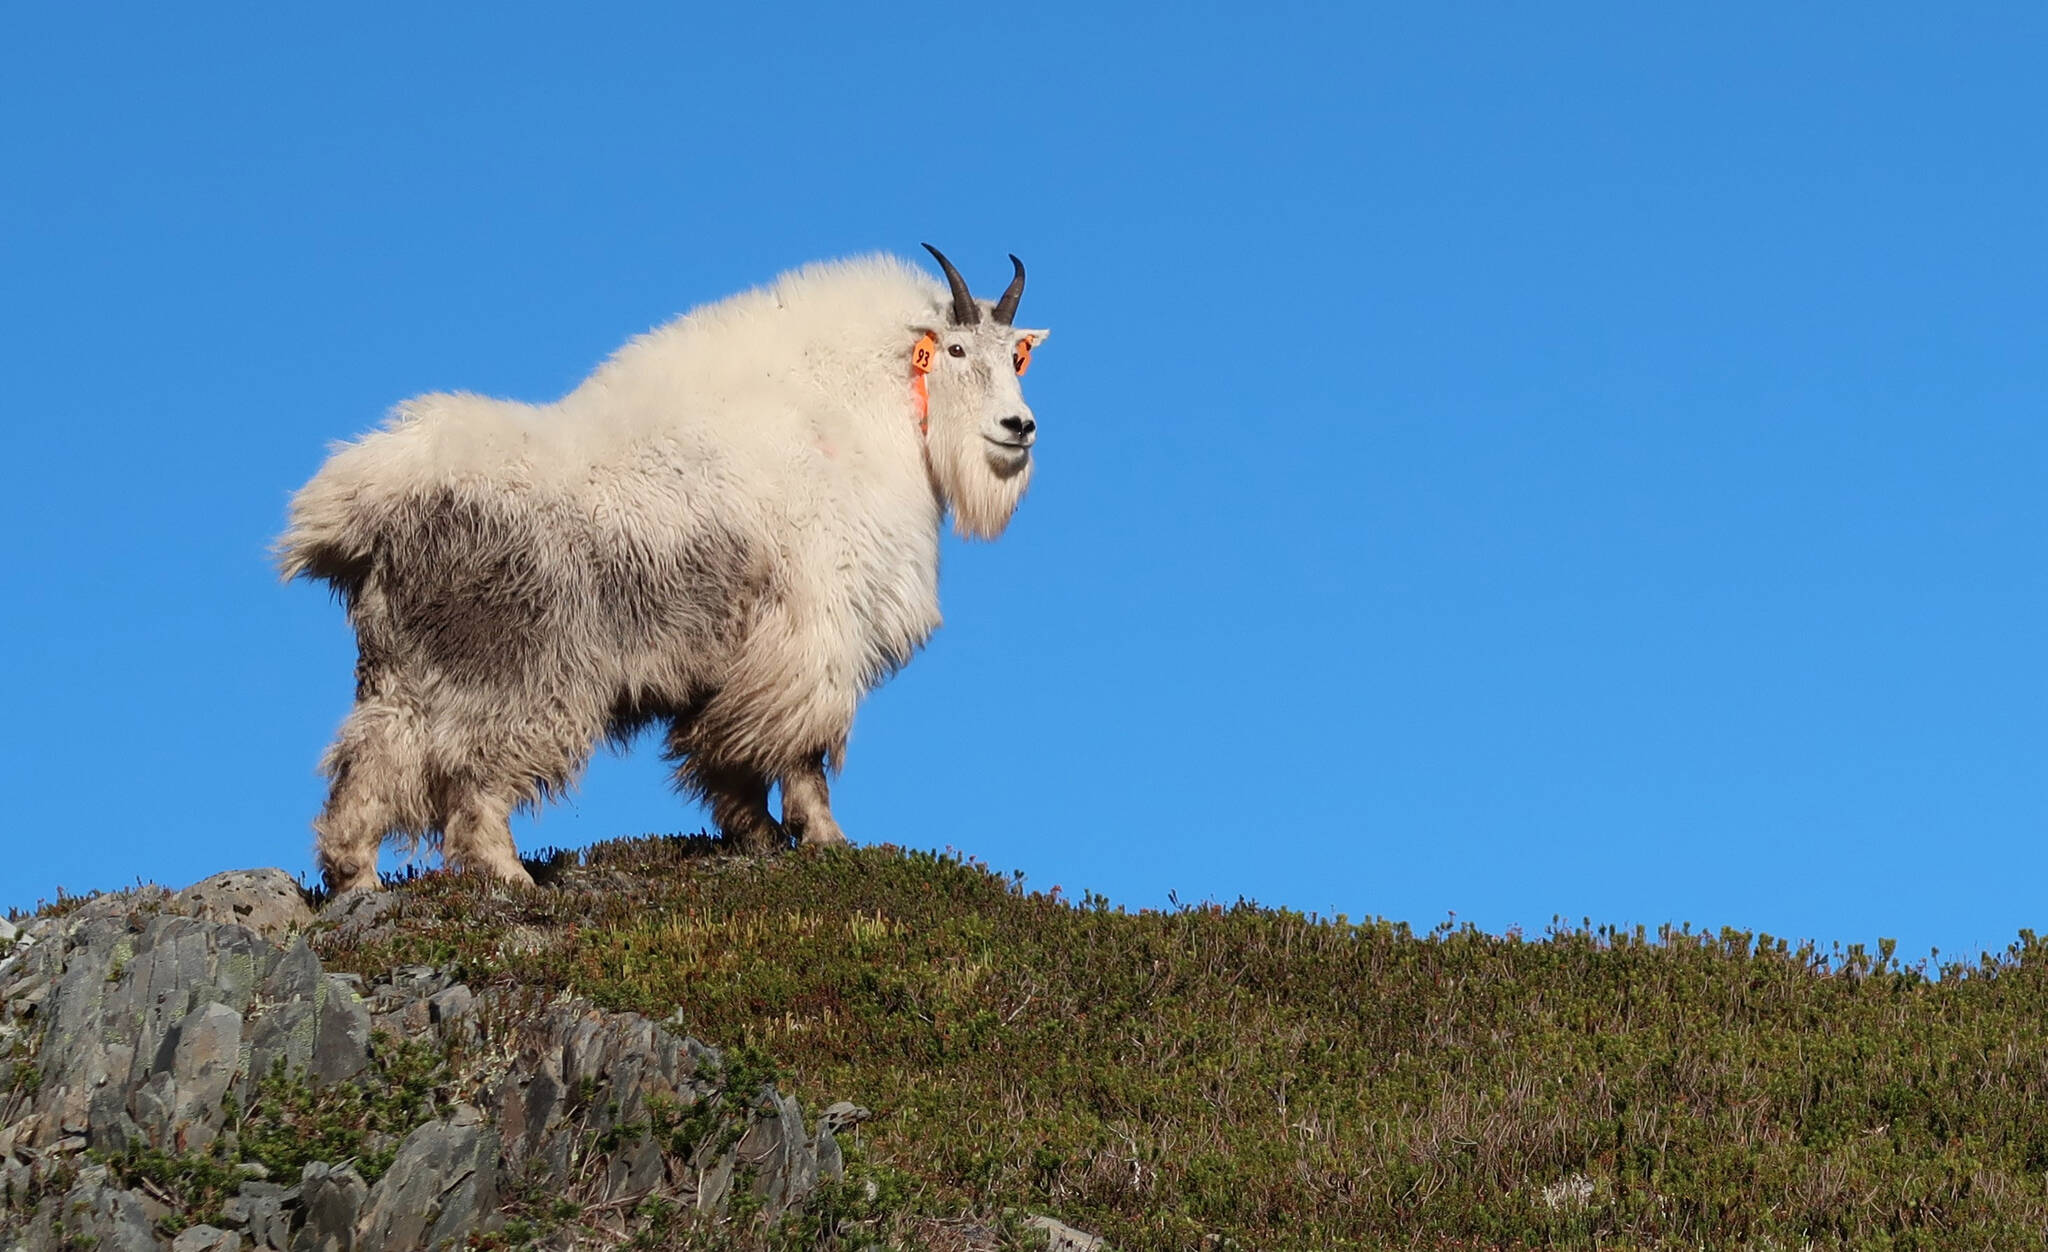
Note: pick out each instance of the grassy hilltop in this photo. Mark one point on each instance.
(1242, 1077)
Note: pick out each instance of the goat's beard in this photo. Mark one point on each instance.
(979, 482)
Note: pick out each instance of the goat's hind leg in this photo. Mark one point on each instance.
(477, 838)
(807, 806)
(377, 789)
(739, 805)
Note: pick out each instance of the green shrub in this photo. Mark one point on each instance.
(291, 1122)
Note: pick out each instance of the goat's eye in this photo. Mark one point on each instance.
(956, 350)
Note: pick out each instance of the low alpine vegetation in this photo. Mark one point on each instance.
(1237, 1076)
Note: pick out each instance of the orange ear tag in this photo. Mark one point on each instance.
(922, 354)
(1020, 356)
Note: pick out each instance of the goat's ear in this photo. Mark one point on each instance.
(1020, 352)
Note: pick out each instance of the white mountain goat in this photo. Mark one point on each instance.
(731, 528)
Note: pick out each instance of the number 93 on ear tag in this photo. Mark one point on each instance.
(923, 352)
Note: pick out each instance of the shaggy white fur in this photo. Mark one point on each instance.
(730, 528)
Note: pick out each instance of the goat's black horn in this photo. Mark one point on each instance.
(1006, 308)
(965, 311)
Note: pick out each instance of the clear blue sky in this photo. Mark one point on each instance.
(1519, 460)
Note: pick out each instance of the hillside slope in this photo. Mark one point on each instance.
(1253, 1078)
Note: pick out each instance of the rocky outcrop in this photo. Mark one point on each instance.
(267, 901)
(145, 1038)
(140, 1021)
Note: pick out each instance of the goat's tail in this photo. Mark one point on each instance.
(337, 517)
(331, 536)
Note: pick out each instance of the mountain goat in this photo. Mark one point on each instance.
(731, 529)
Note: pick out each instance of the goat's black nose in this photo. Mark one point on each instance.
(1018, 425)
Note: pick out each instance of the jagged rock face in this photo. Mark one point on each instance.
(140, 1025)
(140, 1028)
(441, 1186)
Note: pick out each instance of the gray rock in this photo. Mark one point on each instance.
(445, 1006)
(715, 1187)
(418, 980)
(636, 1169)
(706, 1056)
(267, 901)
(108, 1125)
(317, 1025)
(342, 1047)
(206, 1239)
(155, 1105)
(9, 932)
(283, 1036)
(296, 976)
(356, 915)
(92, 1215)
(529, 1107)
(205, 1049)
(844, 1116)
(1060, 1237)
(262, 1212)
(112, 905)
(400, 1001)
(831, 1161)
(788, 1170)
(440, 1187)
(118, 991)
(15, 1177)
(332, 1198)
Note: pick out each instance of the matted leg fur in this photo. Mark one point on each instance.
(739, 804)
(478, 839)
(348, 833)
(807, 806)
(379, 787)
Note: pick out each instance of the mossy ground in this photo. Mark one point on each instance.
(1249, 1077)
